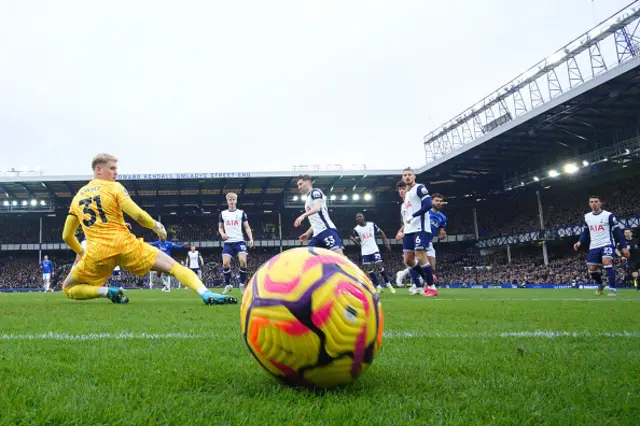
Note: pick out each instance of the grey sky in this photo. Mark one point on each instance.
(203, 86)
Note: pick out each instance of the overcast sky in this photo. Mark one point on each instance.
(204, 86)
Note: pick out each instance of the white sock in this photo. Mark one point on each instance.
(432, 287)
(102, 291)
(202, 290)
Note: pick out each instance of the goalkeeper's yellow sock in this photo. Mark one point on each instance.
(188, 278)
(84, 291)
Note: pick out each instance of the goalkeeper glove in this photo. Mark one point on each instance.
(160, 231)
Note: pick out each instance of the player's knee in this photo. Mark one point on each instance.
(242, 263)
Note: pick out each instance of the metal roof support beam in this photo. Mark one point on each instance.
(447, 139)
(7, 192)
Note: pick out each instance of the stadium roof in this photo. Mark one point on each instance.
(579, 99)
(265, 188)
(476, 151)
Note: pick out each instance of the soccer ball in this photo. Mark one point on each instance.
(312, 318)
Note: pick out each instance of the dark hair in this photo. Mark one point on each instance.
(303, 177)
(408, 169)
(401, 184)
(437, 195)
(595, 196)
(360, 214)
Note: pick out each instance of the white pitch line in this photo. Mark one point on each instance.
(100, 336)
(544, 334)
(548, 334)
(507, 299)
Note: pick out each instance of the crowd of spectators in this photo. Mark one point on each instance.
(461, 266)
(501, 215)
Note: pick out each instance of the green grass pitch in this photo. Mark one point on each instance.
(468, 357)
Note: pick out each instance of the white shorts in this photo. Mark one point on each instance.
(431, 252)
(46, 277)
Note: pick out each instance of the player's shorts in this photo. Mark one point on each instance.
(234, 249)
(46, 276)
(137, 257)
(431, 252)
(116, 274)
(416, 241)
(195, 270)
(596, 254)
(368, 259)
(328, 239)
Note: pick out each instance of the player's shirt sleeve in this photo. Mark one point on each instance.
(616, 229)
(244, 217)
(176, 246)
(354, 233)
(316, 194)
(376, 228)
(584, 235)
(120, 193)
(443, 224)
(422, 192)
(155, 243)
(220, 219)
(425, 203)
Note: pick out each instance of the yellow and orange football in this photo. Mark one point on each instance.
(312, 318)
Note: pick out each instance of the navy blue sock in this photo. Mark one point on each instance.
(243, 275)
(385, 275)
(227, 276)
(419, 271)
(611, 276)
(415, 277)
(428, 274)
(374, 278)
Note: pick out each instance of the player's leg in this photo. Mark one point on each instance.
(45, 282)
(423, 267)
(166, 264)
(86, 278)
(431, 258)
(242, 270)
(227, 255)
(368, 269)
(410, 261)
(166, 281)
(594, 260)
(607, 263)
(379, 265)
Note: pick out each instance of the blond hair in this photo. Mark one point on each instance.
(229, 194)
(101, 159)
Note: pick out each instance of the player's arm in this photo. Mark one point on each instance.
(223, 235)
(400, 233)
(442, 231)
(304, 237)
(155, 243)
(425, 202)
(136, 213)
(353, 236)
(316, 196)
(69, 233)
(384, 237)
(247, 228)
(143, 218)
(584, 236)
(201, 261)
(617, 230)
